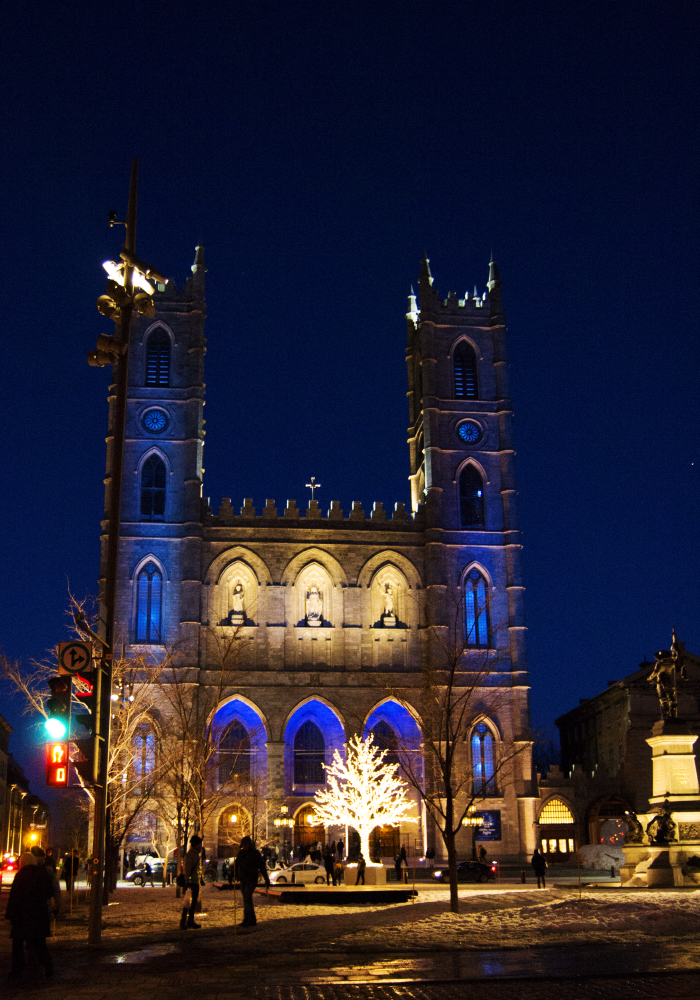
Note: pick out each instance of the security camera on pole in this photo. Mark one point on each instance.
(128, 289)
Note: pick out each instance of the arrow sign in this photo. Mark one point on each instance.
(74, 657)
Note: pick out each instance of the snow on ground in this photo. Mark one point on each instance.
(490, 917)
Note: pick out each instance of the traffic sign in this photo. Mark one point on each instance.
(74, 657)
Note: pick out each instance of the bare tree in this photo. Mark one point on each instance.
(459, 689)
(206, 759)
(132, 770)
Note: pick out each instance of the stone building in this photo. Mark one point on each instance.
(334, 605)
(606, 764)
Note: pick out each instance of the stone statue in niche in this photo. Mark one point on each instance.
(314, 607)
(237, 615)
(669, 666)
(389, 613)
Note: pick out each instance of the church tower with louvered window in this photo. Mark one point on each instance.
(462, 466)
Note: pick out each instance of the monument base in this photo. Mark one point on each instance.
(374, 874)
(653, 865)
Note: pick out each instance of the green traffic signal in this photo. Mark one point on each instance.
(57, 723)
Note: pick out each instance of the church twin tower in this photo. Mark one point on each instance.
(336, 606)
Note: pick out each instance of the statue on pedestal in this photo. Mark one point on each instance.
(664, 827)
(669, 665)
(635, 830)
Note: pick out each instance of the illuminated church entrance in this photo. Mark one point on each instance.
(233, 824)
(385, 842)
(304, 831)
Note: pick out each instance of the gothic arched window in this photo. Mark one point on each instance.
(149, 591)
(309, 755)
(476, 610)
(482, 760)
(464, 361)
(471, 498)
(385, 739)
(144, 760)
(153, 477)
(158, 358)
(234, 753)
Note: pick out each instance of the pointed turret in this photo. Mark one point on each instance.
(425, 275)
(494, 287)
(199, 269)
(412, 313)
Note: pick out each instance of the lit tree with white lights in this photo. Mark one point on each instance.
(363, 792)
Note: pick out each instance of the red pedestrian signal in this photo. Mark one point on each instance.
(57, 765)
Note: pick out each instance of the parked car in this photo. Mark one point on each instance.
(469, 871)
(138, 876)
(304, 872)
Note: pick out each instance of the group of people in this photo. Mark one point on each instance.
(246, 867)
(35, 897)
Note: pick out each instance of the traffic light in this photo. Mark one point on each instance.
(57, 765)
(86, 691)
(57, 724)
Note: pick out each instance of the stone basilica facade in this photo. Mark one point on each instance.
(334, 603)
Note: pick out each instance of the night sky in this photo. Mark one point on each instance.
(316, 150)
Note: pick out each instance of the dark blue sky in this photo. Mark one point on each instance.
(316, 149)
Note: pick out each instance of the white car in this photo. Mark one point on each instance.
(304, 872)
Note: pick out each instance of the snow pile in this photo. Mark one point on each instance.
(601, 856)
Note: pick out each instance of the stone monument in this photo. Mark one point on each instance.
(656, 849)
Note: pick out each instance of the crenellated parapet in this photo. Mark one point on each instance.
(378, 517)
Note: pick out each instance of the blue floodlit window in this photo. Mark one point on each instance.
(471, 498)
(385, 739)
(464, 361)
(144, 758)
(158, 358)
(149, 590)
(476, 610)
(309, 755)
(234, 753)
(482, 760)
(153, 476)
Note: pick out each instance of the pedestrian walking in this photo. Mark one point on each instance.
(328, 864)
(249, 865)
(193, 880)
(482, 854)
(31, 894)
(147, 875)
(338, 872)
(50, 859)
(361, 865)
(340, 850)
(539, 863)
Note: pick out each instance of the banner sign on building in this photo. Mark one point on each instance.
(490, 829)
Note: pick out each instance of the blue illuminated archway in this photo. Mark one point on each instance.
(328, 721)
(240, 711)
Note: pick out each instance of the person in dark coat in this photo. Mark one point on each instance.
(132, 859)
(28, 912)
(329, 865)
(249, 864)
(69, 870)
(361, 865)
(340, 850)
(193, 876)
(539, 863)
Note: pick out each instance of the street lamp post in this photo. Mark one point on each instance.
(119, 305)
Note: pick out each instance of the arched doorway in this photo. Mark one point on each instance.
(234, 823)
(606, 820)
(385, 842)
(556, 831)
(306, 832)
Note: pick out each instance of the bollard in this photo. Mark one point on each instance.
(522, 877)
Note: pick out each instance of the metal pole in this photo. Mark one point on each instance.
(110, 593)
